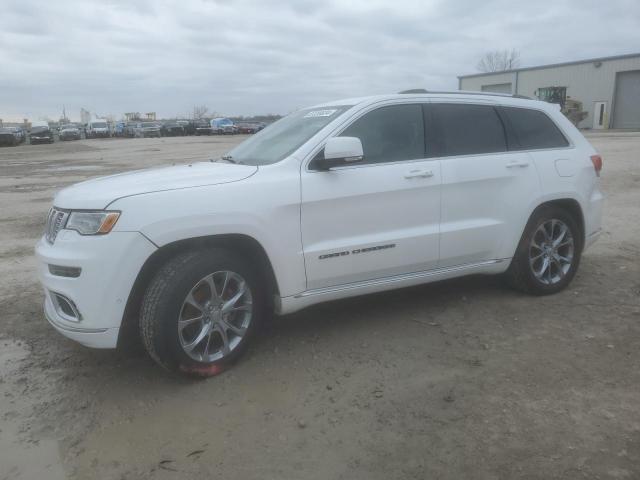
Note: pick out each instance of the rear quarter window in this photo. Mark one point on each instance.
(532, 130)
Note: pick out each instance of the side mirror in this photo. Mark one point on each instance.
(340, 151)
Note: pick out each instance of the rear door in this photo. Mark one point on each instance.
(486, 189)
(379, 218)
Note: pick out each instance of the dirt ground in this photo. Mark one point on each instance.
(459, 380)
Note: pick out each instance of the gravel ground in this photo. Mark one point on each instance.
(457, 380)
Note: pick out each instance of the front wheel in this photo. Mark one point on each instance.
(200, 311)
(548, 254)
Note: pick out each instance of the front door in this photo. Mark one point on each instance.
(599, 115)
(379, 218)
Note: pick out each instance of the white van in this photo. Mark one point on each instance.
(98, 128)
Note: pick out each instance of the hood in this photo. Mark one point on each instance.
(100, 192)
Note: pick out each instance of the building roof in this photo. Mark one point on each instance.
(552, 65)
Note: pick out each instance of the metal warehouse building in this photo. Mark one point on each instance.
(608, 88)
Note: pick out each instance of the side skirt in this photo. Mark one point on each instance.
(304, 299)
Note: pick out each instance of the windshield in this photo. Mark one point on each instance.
(39, 129)
(283, 137)
(99, 125)
(225, 121)
(150, 125)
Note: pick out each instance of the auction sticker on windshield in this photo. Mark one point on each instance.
(320, 113)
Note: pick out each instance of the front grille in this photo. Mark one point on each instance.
(56, 220)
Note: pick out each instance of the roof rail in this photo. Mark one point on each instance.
(463, 92)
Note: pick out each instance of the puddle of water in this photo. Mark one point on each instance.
(21, 460)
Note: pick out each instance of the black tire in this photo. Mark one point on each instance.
(520, 274)
(163, 301)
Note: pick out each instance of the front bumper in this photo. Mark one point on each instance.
(109, 266)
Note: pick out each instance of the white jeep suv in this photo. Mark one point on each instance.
(346, 198)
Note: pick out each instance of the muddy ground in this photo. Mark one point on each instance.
(458, 380)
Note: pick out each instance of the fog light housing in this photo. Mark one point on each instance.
(65, 307)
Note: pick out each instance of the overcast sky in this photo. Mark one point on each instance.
(261, 56)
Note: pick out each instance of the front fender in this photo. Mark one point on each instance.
(269, 213)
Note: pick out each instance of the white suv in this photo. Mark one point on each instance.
(347, 198)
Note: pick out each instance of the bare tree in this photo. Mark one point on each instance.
(200, 112)
(499, 61)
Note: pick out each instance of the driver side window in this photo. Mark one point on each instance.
(390, 134)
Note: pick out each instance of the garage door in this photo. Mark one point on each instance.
(497, 88)
(626, 110)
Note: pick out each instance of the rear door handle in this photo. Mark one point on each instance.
(517, 164)
(418, 174)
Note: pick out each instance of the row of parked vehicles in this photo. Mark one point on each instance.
(41, 132)
(176, 128)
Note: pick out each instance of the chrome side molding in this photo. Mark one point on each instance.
(397, 278)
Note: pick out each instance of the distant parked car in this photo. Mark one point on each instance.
(130, 129)
(120, 129)
(203, 127)
(40, 133)
(11, 136)
(98, 129)
(172, 129)
(69, 131)
(147, 129)
(223, 126)
(188, 125)
(250, 127)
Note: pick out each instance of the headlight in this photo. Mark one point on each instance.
(92, 223)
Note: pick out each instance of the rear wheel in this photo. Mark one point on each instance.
(201, 310)
(549, 252)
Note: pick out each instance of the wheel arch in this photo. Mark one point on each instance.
(569, 204)
(242, 243)
(574, 208)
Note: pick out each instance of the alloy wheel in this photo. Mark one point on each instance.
(215, 316)
(551, 251)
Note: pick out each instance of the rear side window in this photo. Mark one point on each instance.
(390, 134)
(466, 129)
(532, 129)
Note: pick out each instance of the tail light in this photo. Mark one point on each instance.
(597, 163)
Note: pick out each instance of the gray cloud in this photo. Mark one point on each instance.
(252, 56)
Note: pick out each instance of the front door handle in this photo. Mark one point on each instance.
(517, 164)
(418, 174)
